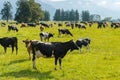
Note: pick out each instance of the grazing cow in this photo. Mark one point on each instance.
(29, 49)
(45, 36)
(9, 42)
(14, 28)
(32, 24)
(45, 25)
(23, 25)
(64, 31)
(83, 42)
(56, 49)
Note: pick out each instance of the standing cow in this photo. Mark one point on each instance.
(9, 42)
(83, 42)
(56, 49)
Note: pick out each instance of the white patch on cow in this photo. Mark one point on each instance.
(39, 54)
(34, 64)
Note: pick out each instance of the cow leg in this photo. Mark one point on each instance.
(16, 49)
(34, 61)
(29, 53)
(12, 49)
(5, 48)
(56, 63)
(60, 61)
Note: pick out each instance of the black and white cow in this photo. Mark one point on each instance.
(14, 28)
(64, 31)
(83, 42)
(45, 36)
(9, 42)
(53, 49)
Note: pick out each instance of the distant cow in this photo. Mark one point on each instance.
(56, 49)
(23, 25)
(45, 36)
(64, 31)
(31, 24)
(44, 24)
(9, 42)
(83, 42)
(14, 28)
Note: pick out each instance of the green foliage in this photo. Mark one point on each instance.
(61, 15)
(46, 16)
(100, 62)
(85, 15)
(6, 11)
(28, 11)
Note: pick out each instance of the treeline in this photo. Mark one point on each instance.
(61, 15)
(30, 11)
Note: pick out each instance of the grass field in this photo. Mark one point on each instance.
(101, 62)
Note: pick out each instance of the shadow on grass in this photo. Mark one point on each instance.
(29, 74)
(16, 61)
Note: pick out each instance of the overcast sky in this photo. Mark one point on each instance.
(102, 7)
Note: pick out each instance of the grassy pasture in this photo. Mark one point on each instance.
(101, 62)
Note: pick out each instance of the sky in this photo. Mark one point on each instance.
(110, 8)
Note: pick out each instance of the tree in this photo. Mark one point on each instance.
(72, 15)
(36, 10)
(95, 17)
(107, 19)
(57, 15)
(46, 16)
(28, 11)
(85, 15)
(77, 15)
(23, 13)
(6, 11)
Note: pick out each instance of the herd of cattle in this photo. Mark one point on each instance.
(44, 48)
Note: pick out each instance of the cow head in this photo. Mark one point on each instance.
(73, 45)
(26, 42)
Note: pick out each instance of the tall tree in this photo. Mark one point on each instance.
(72, 15)
(23, 13)
(95, 17)
(77, 15)
(57, 15)
(6, 11)
(28, 11)
(46, 16)
(85, 15)
(36, 10)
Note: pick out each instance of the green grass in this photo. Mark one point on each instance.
(101, 62)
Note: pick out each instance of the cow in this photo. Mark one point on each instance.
(58, 50)
(64, 31)
(23, 25)
(44, 24)
(29, 49)
(14, 28)
(83, 42)
(31, 24)
(9, 42)
(45, 36)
